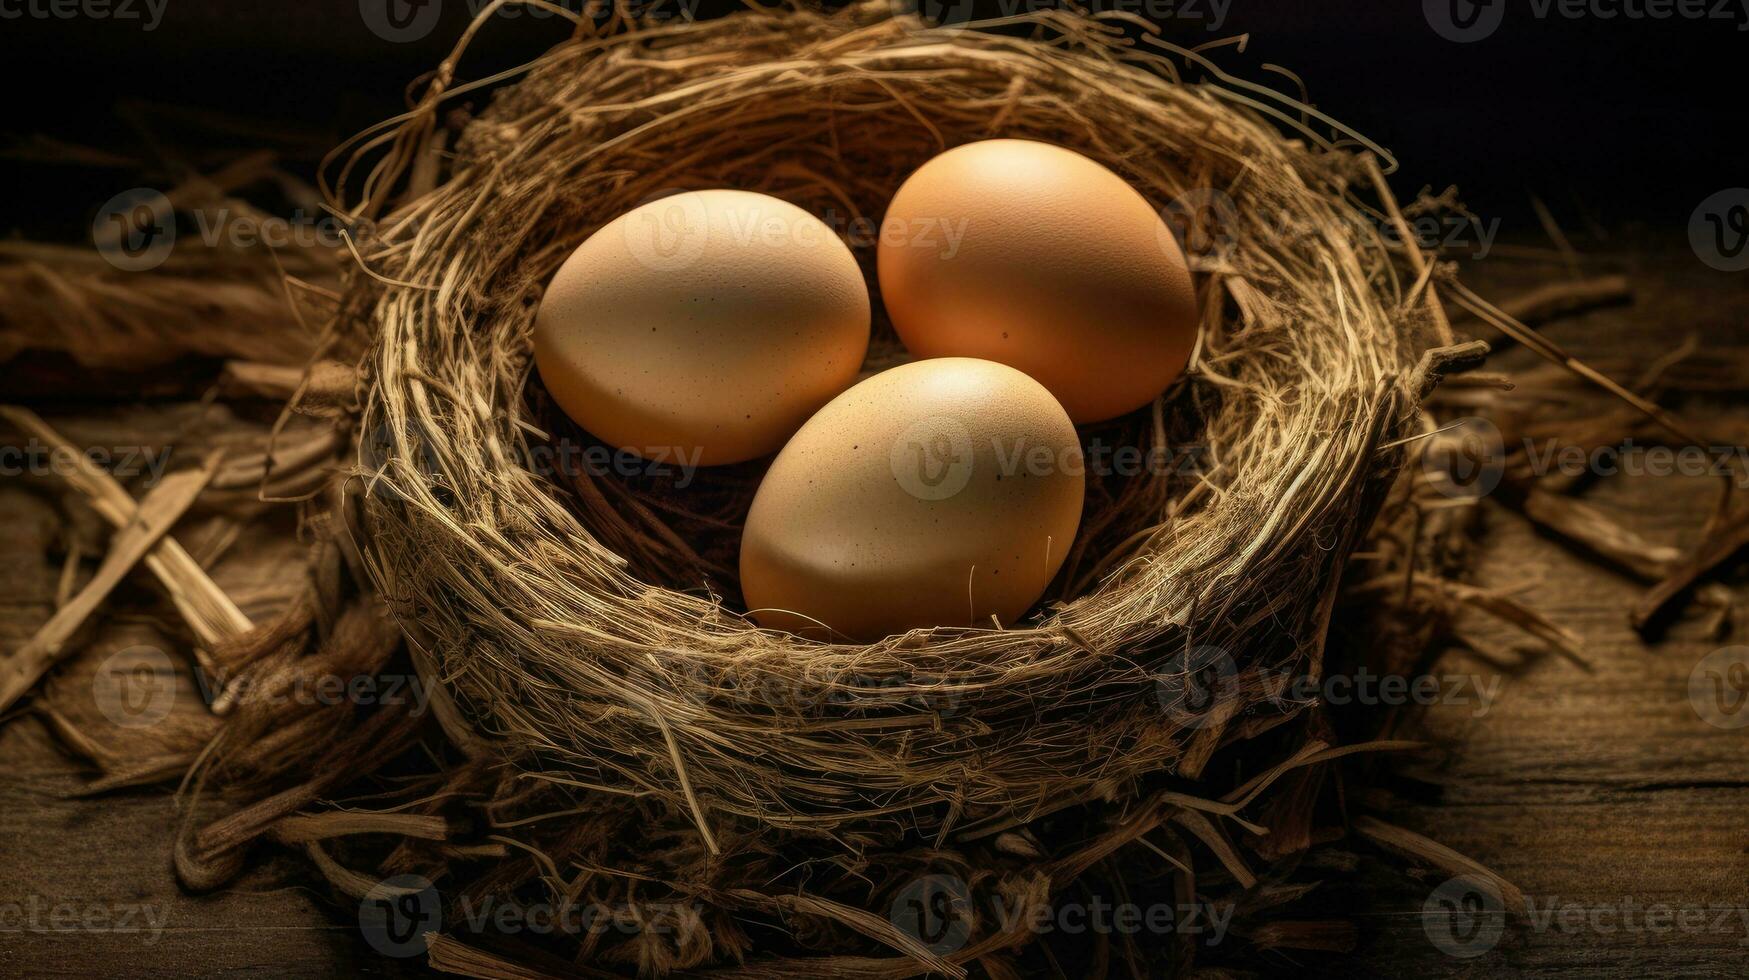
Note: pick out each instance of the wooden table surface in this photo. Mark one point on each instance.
(1598, 790)
(1607, 789)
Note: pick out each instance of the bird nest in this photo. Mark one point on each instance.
(585, 622)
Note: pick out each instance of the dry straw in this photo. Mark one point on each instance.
(583, 635)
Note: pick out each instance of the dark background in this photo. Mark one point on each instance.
(1609, 120)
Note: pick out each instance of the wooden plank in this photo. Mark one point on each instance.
(62, 860)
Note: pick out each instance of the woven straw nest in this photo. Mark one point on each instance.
(581, 621)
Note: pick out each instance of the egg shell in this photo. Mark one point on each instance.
(1038, 257)
(937, 493)
(703, 327)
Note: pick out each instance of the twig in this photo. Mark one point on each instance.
(1559, 299)
(1711, 553)
(302, 828)
(1553, 352)
(1596, 532)
(1438, 362)
(1216, 841)
(1441, 324)
(159, 512)
(210, 613)
(1413, 845)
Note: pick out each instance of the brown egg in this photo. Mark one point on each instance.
(704, 327)
(938, 493)
(1037, 257)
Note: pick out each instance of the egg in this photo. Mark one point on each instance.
(937, 493)
(703, 327)
(1042, 259)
